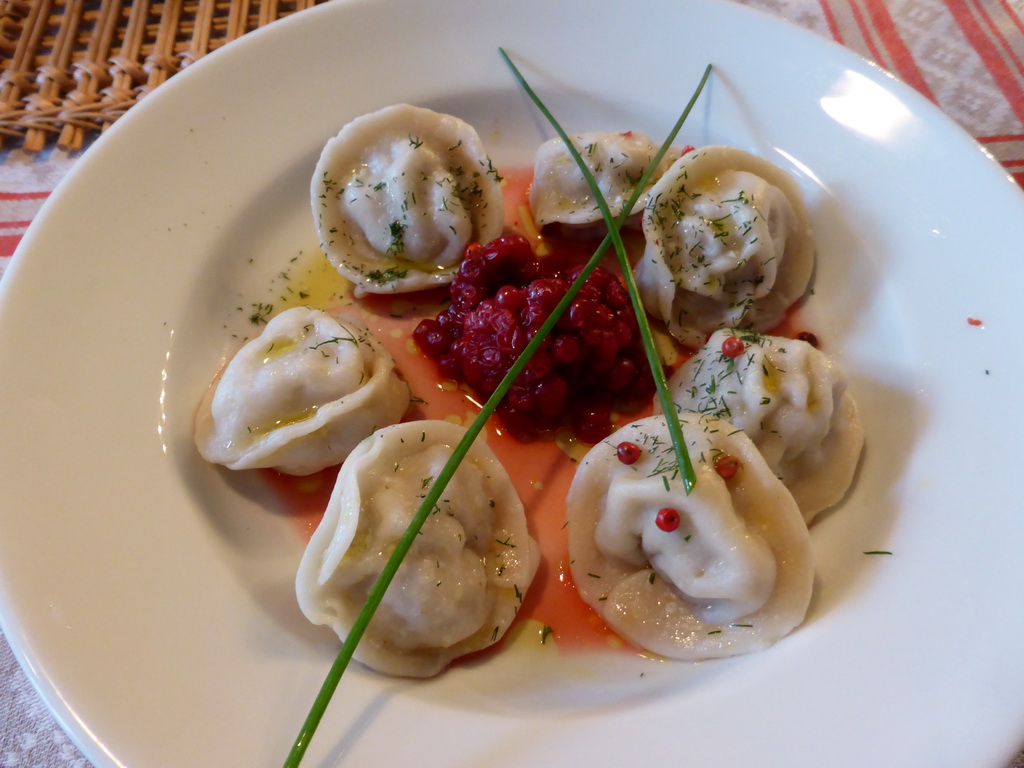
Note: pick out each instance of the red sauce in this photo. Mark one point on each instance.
(791, 324)
(303, 498)
(541, 471)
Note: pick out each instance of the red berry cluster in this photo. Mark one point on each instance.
(593, 359)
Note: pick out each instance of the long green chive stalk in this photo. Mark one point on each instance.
(376, 595)
(653, 360)
(387, 575)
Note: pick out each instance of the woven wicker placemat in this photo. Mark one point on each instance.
(70, 68)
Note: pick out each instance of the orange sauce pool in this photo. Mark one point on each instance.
(541, 471)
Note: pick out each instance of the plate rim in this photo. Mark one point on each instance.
(12, 276)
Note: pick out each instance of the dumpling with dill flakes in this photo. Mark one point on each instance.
(728, 244)
(462, 581)
(300, 396)
(724, 570)
(560, 194)
(397, 196)
(790, 398)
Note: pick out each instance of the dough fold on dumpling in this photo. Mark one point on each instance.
(727, 244)
(560, 194)
(735, 576)
(462, 582)
(299, 396)
(791, 399)
(397, 196)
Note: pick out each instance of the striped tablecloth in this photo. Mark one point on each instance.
(967, 56)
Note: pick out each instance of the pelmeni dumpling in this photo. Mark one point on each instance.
(560, 194)
(727, 244)
(299, 396)
(734, 576)
(791, 399)
(397, 196)
(465, 576)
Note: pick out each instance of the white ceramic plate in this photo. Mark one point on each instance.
(150, 597)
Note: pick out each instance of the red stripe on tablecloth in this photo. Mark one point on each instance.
(24, 195)
(997, 33)
(879, 37)
(992, 59)
(1007, 148)
(1012, 15)
(8, 243)
(865, 33)
(904, 64)
(1001, 138)
(14, 224)
(830, 20)
(1014, 167)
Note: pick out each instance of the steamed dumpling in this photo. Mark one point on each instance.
(465, 576)
(735, 575)
(299, 396)
(397, 196)
(560, 194)
(791, 399)
(727, 244)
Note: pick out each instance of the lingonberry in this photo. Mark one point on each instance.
(809, 337)
(732, 347)
(628, 453)
(727, 465)
(667, 519)
(501, 296)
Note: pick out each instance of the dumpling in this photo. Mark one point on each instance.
(728, 570)
(790, 398)
(560, 194)
(397, 196)
(727, 244)
(299, 396)
(465, 576)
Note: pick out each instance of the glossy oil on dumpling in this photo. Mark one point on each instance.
(463, 580)
(560, 194)
(299, 396)
(397, 196)
(735, 576)
(727, 244)
(791, 399)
